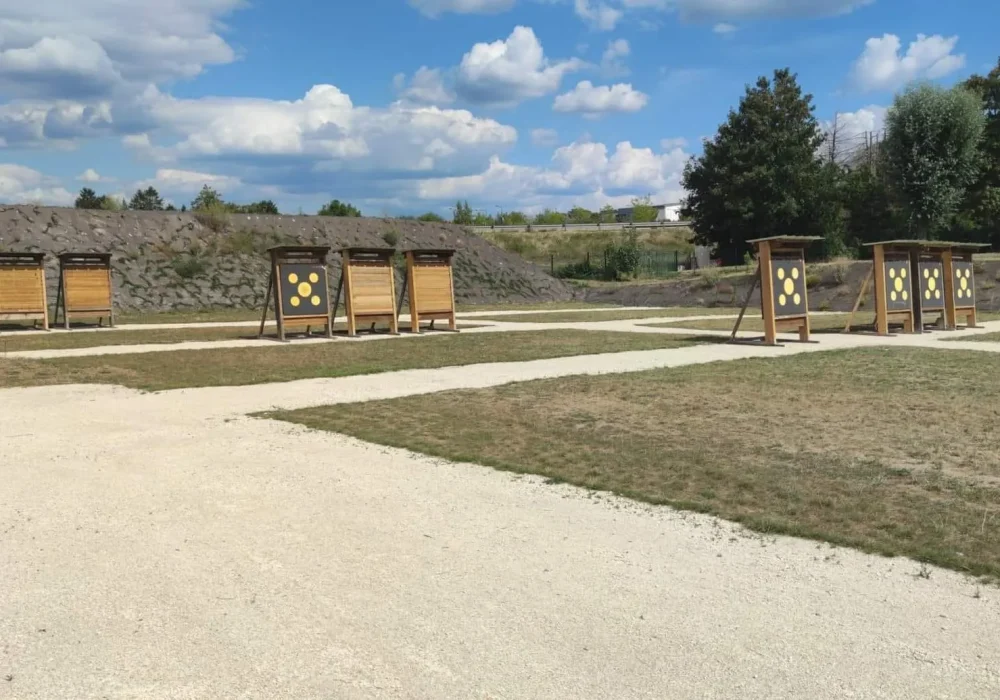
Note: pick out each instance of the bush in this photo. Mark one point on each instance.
(214, 216)
(579, 271)
(624, 258)
(813, 280)
(391, 238)
(189, 266)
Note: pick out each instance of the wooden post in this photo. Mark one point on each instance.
(352, 328)
(767, 294)
(857, 302)
(746, 303)
(950, 315)
(881, 309)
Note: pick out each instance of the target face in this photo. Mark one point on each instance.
(965, 285)
(931, 285)
(304, 290)
(898, 289)
(788, 281)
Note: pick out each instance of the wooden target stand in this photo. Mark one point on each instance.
(431, 287)
(368, 283)
(298, 284)
(22, 288)
(915, 280)
(85, 288)
(784, 299)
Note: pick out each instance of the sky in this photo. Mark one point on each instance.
(407, 106)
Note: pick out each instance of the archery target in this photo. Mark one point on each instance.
(788, 282)
(931, 285)
(965, 285)
(898, 290)
(304, 290)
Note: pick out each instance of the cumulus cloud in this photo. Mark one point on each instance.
(433, 8)
(22, 185)
(425, 87)
(91, 175)
(598, 15)
(188, 181)
(612, 61)
(848, 133)
(593, 100)
(544, 138)
(882, 66)
(511, 70)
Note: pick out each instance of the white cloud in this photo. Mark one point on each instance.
(671, 144)
(74, 66)
(612, 64)
(544, 138)
(721, 10)
(22, 185)
(848, 134)
(510, 71)
(881, 66)
(425, 87)
(91, 175)
(599, 16)
(433, 8)
(724, 28)
(593, 100)
(188, 181)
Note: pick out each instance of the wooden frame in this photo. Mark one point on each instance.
(923, 291)
(957, 262)
(784, 296)
(300, 288)
(23, 296)
(368, 281)
(430, 284)
(85, 287)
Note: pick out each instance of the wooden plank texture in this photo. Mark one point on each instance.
(87, 290)
(21, 290)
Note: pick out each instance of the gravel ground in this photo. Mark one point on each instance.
(167, 546)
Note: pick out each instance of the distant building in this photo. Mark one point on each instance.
(664, 212)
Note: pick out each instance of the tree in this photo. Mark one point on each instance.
(932, 152)
(208, 198)
(264, 206)
(608, 215)
(982, 205)
(643, 210)
(579, 215)
(170, 207)
(515, 218)
(146, 200)
(549, 217)
(482, 219)
(761, 175)
(88, 199)
(338, 208)
(463, 214)
(431, 217)
(112, 203)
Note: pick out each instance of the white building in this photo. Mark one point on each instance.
(664, 212)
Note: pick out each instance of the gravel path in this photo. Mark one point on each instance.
(167, 546)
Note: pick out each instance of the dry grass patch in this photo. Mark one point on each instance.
(236, 366)
(611, 315)
(888, 450)
(818, 323)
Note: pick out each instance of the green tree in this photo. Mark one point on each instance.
(761, 175)
(146, 200)
(608, 215)
(264, 206)
(463, 214)
(932, 144)
(170, 207)
(579, 215)
(88, 199)
(208, 198)
(431, 217)
(482, 219)
(981, 210)
(338, 208)
(111, 203)
(515, 218)
(549, 217)
(643, 210)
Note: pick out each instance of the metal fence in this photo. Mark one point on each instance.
(615, 226)
(653, 264)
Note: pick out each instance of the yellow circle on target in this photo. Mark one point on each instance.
(293, 278)
(893, 296)
(781, 300)
(937, 273)
(294, 301)
(797, 299)
(315, 300)
(902, 273)
(781, 273)
(965, 283)
(932, 284)
(958, 274)
(927, 273)
(937, 294)
(892, 272)
(906, 295)
(789, 287)
(305, 289)
(927, 295)
(795, 273)
(899, 284)
(313, 277)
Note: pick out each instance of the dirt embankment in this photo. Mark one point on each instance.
(832, 287)
(173, 260)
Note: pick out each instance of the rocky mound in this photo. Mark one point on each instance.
(173, 260)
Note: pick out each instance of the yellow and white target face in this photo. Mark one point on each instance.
(931, 285)
(965, 285)
(788, 280)
(303, 290)
(898, 290)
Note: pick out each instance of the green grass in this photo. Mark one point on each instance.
(610, 315)
(63, 340)
(236, 366)
(887, 450)
(818, 323)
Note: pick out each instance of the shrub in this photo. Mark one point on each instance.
(813, 280)
(188, 266)
(391, 238)
(840, 271)
(214, 216)
(580, 271)
(624, 258)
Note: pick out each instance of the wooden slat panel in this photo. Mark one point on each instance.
(21, 289)
(87, 289)
(433, 288)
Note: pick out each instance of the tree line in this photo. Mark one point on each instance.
(642, 211)
(772, 170)
(150, 200)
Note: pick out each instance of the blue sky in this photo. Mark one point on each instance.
(404, 106)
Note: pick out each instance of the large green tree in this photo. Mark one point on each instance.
(761, 175)
(981, 210)
(579, 215)
(88, 199)
(463, 214)
(643, 211)
(932, 144)
(146, 200)
(338, 208)
(208, 198)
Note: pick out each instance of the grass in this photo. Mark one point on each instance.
(238, 366)
(825, 322)
(610, 315)
(61, 340)
(888, 450)
(573, 245)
